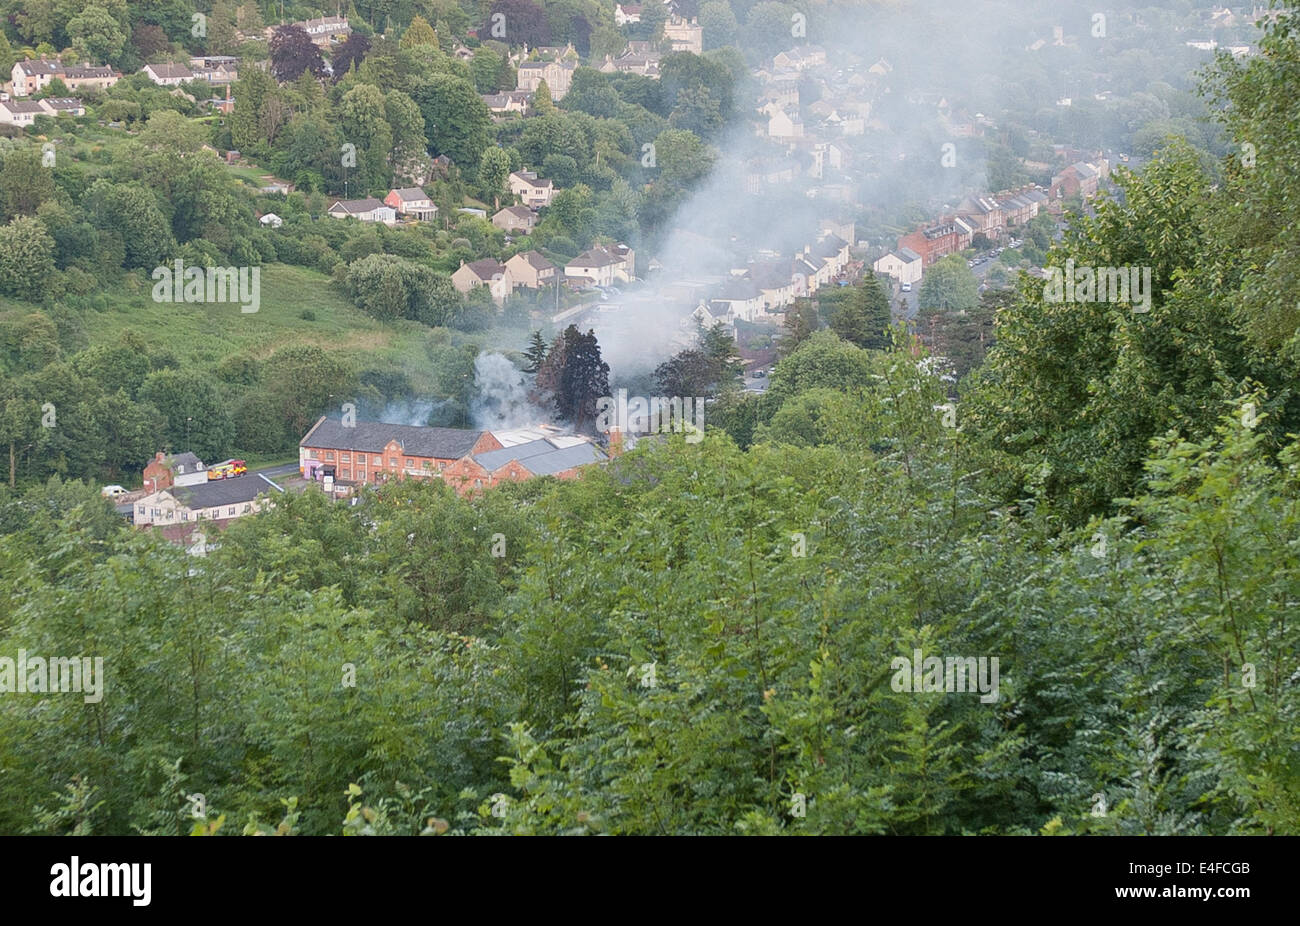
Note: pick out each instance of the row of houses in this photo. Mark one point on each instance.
(415, 204)
(33, 76)
(23, 113)
(599, 266)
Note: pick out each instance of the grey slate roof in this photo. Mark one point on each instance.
(233, 491)
(541, 457)
(372, 436)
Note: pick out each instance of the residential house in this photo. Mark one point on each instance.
(739, 297)
(625, 13)
(511, 101)
(775, 283)
(218, 70)
(20, 112)
(370, 452)
(33, 76)
(800, 58)
(603, 266)
(412, 202)
(218, 500)
(271, 220)
(366, 210)
(904, 265)
(166, 470)
(531, 270)
(1079, 179)
(558, 76)
(784, 125)
(63, 105)
(936, 241)
(486, 272)
(984, 214)
(326, 29)
(646, 64)
(535, 192)
(168, 74)
(515, 219)
(684, 35)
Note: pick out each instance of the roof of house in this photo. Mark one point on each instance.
(737, 289)
(519, 212)
(40, 66)
(373, 436)
(63, 102)
(188, 460)
(232, 491)
(596, 257)
(531, 178)
(542, 457)
(907, 254)
(535, 260)
(411, 194)
(357, 205)
(22, 106)
(486, 269)
(170, 69)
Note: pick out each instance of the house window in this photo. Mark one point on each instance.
(428, 465)
(155, 513)
(231, 511)
(141, 511)
(314, 454)
(185, 515)
(329, 455)
(346, 473)
(345, 458)
(171, 515)
(379, 461)
(392, 461)
(410, 464)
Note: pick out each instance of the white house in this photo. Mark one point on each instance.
(169, 74)
(904, 265)
(366, 210)
(535, 192)
(603, 266)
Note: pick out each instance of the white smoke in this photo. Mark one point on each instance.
(502, 401)
(410, 411)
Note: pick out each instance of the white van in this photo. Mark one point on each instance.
(113, 491)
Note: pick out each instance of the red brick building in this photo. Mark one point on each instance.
(937, 241)
(469, 461)
(371, 451)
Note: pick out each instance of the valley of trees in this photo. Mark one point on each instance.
(689, 639)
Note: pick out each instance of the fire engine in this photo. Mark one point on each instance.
(227, 469)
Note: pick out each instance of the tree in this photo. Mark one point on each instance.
(351, 52)
(800, 322)
(419, 33)
(535, 353)
(541, 101)
(130, 213)
(484, 68)
(719, 24)
(25, 182)
(494, 168)
(96, 35)
(26, 258)
(863, 318)
(457, 122)
(517, 22)
(293, 54)
(196, 419)
(949, 286)
(574, 376)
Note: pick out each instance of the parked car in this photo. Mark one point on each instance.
(113, 491)
(907, 287)
(759, 374)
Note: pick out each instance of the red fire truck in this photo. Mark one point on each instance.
(227, 469)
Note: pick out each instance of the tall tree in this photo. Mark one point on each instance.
(293, 54)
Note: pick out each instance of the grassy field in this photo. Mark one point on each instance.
(203, 334)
